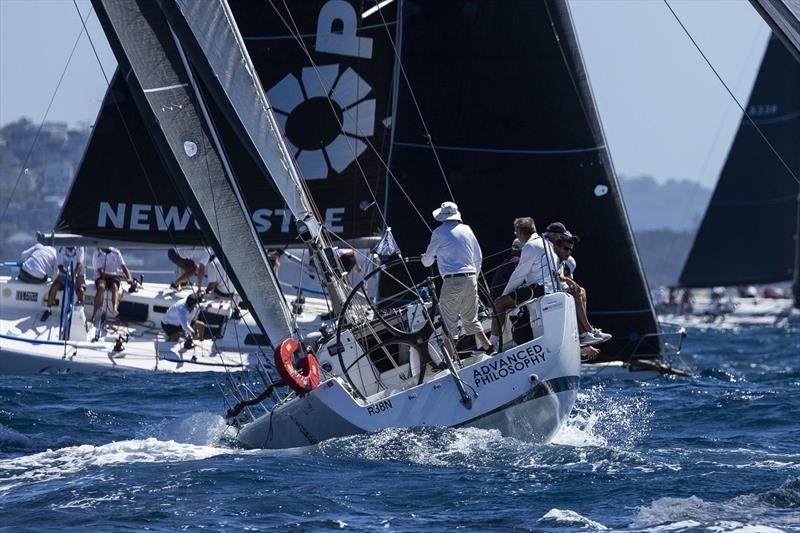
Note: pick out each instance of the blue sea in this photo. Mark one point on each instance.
(720, 452)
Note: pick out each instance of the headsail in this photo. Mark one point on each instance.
(783, 16)
(508, 105)
(168, 101)
(748, 235)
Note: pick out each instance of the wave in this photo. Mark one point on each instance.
(558, 518)
(11, 439)
(57, 464)
(752, 513)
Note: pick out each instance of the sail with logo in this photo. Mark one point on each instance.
(749, 234)
(330, 115)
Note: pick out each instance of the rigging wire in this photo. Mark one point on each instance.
(47, 111)
(725, 85)
(428, 136)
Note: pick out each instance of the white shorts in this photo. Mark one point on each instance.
(459, 297)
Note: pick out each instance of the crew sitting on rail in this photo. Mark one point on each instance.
(109, 268)
(181, 321)
(458, 255)
(563, 241)
(66, 254)
(38, 262)
(191, 261)
(532, 277)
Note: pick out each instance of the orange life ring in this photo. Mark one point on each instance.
(302, 381)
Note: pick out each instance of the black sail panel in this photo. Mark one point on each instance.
(748, 233)
(122, 191)
(139, 35)
(509, 108)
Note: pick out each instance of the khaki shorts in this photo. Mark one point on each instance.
(459, 297)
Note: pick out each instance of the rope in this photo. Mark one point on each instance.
(733, 97)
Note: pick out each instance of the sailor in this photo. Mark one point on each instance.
(533, 276)
(504, 271)
(109, 268)
(347, 258)
(65, 255)
(563, 242)
(274, 257)
(38, 262)
(181, 321)
(218, 282)
(190, 260)
(458, 255)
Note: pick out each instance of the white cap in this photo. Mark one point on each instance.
(448, 211)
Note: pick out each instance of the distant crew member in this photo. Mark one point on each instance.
(180, 321)
(65, 254)
(109, 268)
(38, 262)
(190, 261)
(218, 282)
(274, 257)
(458, 255)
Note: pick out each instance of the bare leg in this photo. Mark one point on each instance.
(98, 298)
(51, 295)
(199, 329)
(503, 304)
(115, 298)
(482, 340)
(580, 309)
(80, 292)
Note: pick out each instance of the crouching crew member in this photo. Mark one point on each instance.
(458, 255)
(38, 262)
(181, 321)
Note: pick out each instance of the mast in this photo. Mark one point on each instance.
(173, 111)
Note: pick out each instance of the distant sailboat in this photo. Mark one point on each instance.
(749, 234)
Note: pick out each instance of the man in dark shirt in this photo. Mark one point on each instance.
(502, 274)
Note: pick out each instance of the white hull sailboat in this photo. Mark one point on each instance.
(525, 392)
(132, 341)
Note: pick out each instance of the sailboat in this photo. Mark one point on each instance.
(750, 234)
(172, 48)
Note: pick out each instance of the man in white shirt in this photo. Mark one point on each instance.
(65, 255)
(532, 278)
(458, 255)
(181, 321)
(38, 262)
(563, 241)
(109, 268)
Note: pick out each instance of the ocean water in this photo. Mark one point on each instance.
(717, 453)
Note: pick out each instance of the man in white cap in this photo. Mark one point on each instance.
(458, 255)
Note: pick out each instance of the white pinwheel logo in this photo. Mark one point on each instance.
(319, 142)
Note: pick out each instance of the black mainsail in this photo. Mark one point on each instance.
(750, 230)
(177, 119)
(508, 105)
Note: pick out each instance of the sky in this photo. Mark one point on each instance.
(663, 111)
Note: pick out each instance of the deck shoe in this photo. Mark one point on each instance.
(597, 332)
(46, 315)
(587, 338)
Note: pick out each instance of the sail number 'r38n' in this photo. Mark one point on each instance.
(379, 407)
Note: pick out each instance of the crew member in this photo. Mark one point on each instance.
(38, 262)
(533, 276)
(191, 261)
(65, 254)
(181, 321)
(458, 255)
(110, 268)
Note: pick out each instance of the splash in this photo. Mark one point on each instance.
(600, 419)
(203, 429)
